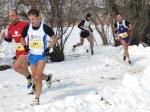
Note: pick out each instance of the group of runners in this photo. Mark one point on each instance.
(31, 45)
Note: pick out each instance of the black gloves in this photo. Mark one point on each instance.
(14, 58)
(26, 47)
(46, 52)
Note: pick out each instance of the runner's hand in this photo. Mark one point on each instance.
(46, 52)
(2, 35)
(26, 47)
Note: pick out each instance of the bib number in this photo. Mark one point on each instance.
(35, 44)
(123, 35)
(19, 47)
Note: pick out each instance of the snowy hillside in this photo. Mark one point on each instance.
(84, 83)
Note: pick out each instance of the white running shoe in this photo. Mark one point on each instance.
(36, 101)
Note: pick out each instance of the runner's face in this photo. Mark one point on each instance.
(89, 18)
(13, 18)
(34, 20)
(119, 18)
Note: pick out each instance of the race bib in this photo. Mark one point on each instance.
(19, 47)
(35, 44)
(123, 35)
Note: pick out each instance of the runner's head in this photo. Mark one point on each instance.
(119, 17)
(13, 16)
(34, 17)
(88, 16)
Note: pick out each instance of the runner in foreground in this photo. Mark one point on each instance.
(35, 37)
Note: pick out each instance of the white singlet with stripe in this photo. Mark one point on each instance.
(37, 40)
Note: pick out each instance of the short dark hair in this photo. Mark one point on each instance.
(88, 15)
(118, 14)
(34, 12)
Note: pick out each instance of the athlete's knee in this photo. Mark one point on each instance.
(91, 44)
(38, 77)
(126, 47)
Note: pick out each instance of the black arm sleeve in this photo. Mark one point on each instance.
(48, 30)
(127, 23)
(115, 28)
(115, 25)
(81, 24)
(25, 31)
(8, 39)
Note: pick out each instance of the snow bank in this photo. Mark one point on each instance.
(99, 83)
(132, 96)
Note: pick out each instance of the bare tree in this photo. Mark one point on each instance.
(99, 24)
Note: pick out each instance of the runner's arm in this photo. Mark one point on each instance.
(8, 39)
(130, 27)
(81, 25)
(128, 24)
(53, 42)
(24, 35)
(115, 28)
(49, 31)
(23, 42)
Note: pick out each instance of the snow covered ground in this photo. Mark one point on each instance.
(7, 51)
(84, 83)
